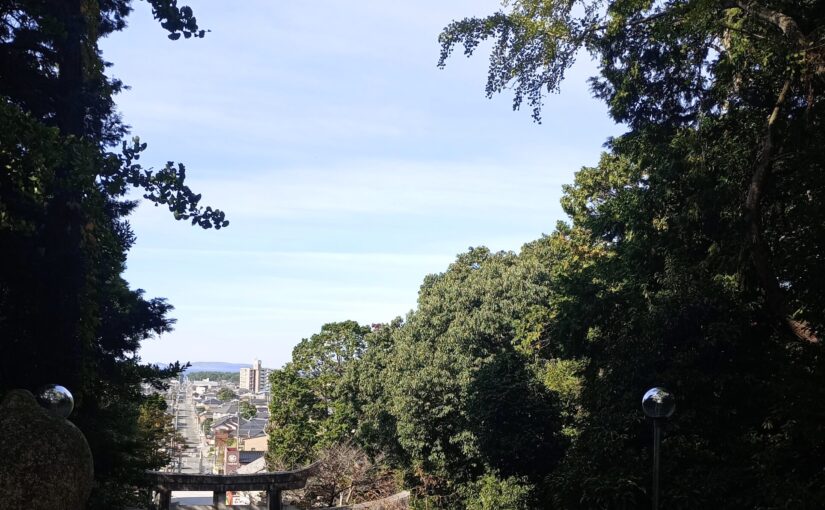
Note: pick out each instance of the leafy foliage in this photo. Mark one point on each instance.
(465, 399)
(225, 395)
(691, 261)
(215, 376)
(491, 493)
(449, 396)
(307, 413)
(292, 420)
(156, 427)
(691, 264)
(247, 410)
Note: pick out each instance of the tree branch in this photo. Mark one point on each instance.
(780, 20)
(761, 251)
(790, 29)
(640, 21)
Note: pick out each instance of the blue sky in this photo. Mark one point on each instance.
(348, 165)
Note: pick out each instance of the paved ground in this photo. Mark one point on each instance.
(194, 459)
(202, 500)
(192, 497)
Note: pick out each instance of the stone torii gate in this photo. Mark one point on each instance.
(273, 483)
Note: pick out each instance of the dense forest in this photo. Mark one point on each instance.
(691, 259)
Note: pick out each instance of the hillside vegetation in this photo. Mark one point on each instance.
(234, 377)
(691, 259)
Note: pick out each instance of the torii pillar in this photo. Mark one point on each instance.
(273, 498)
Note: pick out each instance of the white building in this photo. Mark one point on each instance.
(255, 379)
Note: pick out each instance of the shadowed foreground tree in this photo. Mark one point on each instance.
(66, 314)
(700, 264)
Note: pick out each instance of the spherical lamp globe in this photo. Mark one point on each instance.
(56, 399)
(658, 403)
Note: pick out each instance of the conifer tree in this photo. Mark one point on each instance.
(67, 315)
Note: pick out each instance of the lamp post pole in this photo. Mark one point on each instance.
(658, 404)
(657, 440)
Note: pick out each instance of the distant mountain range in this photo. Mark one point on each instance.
(216, 366)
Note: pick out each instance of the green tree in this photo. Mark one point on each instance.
(307, 409)
(492, 493)
(207, 425)
(466, 400)
(66, 313)
(454, 399)
(293, 420)
(695, 240)
(365, 389)
(247, 410)
(156, 428)
(323, 360)
(225, 395)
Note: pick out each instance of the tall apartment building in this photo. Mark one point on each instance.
(246, 382)
(255, 379)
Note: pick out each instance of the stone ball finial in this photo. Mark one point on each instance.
(46, 462)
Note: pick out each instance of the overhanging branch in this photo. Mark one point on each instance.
(760, 250)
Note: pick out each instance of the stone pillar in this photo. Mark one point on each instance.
(273, 498)
(45, 461)
(218, 498)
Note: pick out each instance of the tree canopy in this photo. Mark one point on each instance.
(307, 412)
(700, 237)
(226, 394)
(247, 410)
(691, 259)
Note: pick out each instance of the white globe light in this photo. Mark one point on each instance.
(658, 403)
(56, 399)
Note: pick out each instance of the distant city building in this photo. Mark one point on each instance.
(263, 380)
(205, 385)
(255, 379)
(247, 381)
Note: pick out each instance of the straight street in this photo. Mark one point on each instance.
(192, 458)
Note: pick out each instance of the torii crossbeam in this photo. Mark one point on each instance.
(273, 483)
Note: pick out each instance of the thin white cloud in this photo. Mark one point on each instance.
(390, 187)
(306, 257)
(348, 165)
